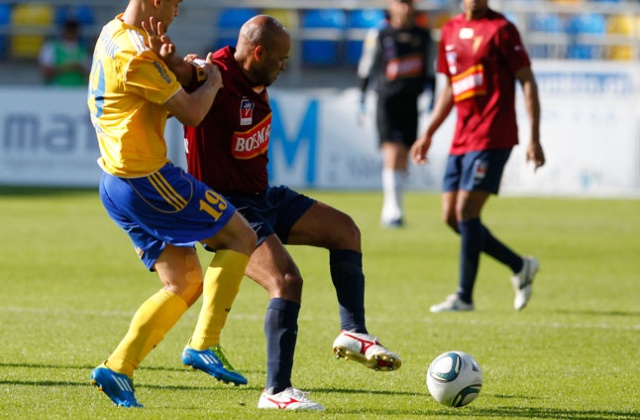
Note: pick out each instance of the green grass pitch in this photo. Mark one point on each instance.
(70, 283)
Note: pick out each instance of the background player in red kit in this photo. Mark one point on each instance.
(482, 56)
(228, 151)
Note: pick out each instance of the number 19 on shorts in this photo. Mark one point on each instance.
(213, 204)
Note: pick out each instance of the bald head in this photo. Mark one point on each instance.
(262, 49)
(262, 30)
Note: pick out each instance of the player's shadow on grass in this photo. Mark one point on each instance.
(498, 412)
(208, 385)
(212, 386)
(599, 313)
(91, 367)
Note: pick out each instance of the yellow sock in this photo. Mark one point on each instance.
(152, 320)
(221, 285)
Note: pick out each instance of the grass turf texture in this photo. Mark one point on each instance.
(71, 282)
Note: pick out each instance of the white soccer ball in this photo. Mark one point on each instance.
(454, 379)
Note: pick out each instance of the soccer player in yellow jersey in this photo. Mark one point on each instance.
(164, 210)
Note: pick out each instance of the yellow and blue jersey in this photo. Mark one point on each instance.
(128, 86)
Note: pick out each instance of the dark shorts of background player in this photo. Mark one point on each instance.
(167, 207)
(274, 211)
(475, 171)
(397, 119)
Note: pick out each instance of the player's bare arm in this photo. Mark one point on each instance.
(441, 110)
(191, 108)
(535, 153)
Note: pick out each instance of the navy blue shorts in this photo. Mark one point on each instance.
(475, 171)
(274, 211)
(167, 207)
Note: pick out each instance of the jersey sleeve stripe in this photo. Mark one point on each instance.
(137, 40)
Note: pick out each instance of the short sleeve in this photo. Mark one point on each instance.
(510, 44)
(441, 65)
(148, 77)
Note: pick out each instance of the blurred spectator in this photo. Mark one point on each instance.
(65, 61)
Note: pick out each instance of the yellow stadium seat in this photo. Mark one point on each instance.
(623, 25)
(30, 17)
(287, 17)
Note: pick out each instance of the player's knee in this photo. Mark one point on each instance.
(249, 239)
(349, 235)
(188, 284)
(245, 239)
(290, 287)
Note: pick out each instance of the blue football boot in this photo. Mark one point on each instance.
(213, 362)
(117, 386)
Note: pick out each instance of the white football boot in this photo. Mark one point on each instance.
(367, 350)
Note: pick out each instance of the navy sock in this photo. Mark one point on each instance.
(472, 243)
(502, 253)
(281, 329)
(348, 279)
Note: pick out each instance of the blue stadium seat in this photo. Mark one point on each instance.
(229, 22)
(5, 19)
(84, 14)
(323, 52)
(360, 20)
(549, 23)
(594, 24)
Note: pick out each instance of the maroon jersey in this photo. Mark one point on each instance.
(480, 58)
(228, 150)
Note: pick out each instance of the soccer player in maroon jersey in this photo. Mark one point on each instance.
(482, 56)
(228, 151)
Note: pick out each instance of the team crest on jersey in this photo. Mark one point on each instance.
(451, 61)
(246, 111)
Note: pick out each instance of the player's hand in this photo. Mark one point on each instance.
(158, 41)
(535, 154)
(213, 72)
(190, 58)
(420, 148)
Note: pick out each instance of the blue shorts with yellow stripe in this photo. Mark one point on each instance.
(167, 207)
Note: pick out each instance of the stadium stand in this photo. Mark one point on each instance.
(288, 17)
(5, 19)
(322, 46)
(590, 26)
(31, 22)
(229, 22)
(544, 26)
(359, 22)
(327, 35)
(625, 25)
(84, 14)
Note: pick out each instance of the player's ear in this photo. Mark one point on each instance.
(258, 52)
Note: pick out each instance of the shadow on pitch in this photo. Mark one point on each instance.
(599, 313)
(498, 412)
